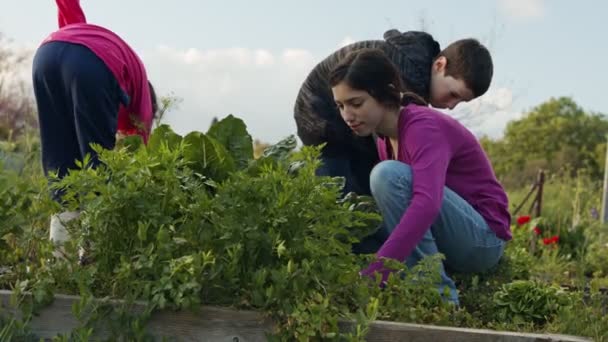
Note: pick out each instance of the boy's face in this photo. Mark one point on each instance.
(447, 91)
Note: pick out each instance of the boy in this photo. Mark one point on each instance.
(461, 72)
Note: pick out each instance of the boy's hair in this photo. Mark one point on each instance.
(370, 70)
(153, 99)
(470, 61)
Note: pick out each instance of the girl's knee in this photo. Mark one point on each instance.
(386, 175)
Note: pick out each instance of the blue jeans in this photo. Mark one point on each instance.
(459, 232)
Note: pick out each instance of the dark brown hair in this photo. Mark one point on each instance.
(370, 70)
(471, 62)
(153, 99)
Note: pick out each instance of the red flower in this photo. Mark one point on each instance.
(551, 240)
(523, 219)
(537, 230)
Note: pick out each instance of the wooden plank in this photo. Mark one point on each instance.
(381, 331)
(209, 323)
(229, 325)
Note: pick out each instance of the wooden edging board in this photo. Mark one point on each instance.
(230, 325)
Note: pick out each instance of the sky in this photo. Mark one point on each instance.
(249, 58)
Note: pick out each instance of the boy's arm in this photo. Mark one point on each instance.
(70, 12)
(417, 50)
(408, 39)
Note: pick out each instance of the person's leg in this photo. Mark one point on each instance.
(459, 232)
(362, 164)
(356, 172)
(58, 137)
(78, 99)
(337, 167)
(343, 167)
(372, 243)
(59, 141)
(363, 158)
(95, 96)
(353, 161)
(464, 237)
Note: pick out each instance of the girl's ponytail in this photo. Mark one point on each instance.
(409, 97)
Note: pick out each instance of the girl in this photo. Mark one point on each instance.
(434, 186)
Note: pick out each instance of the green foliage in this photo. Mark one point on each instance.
(596, 256)
(24, 204)
(585, 317)
(195, 220)
(477, 290)
(232, 133)
(524, 301)
(21, 154)
(12, 329)
(569, 201)
(207, 156)
(556, 134)
(173, 226)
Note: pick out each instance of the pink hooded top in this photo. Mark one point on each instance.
(136, 116)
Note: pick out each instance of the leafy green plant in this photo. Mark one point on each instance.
(596, 256)
(195, 220)
(181, 223)
(586, 316)
(25, 209)
(524, 301)
(12, 329)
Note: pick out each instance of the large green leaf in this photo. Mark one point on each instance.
(208, 156)
(273, 155)
(281, 150)
(232, 133)
(165, 134)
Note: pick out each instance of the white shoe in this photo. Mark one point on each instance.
(58, 233)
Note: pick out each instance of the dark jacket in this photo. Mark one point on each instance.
(317, 117)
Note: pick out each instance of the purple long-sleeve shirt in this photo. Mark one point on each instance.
(441, 152)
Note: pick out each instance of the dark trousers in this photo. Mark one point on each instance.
(356, 172)
(78, 99)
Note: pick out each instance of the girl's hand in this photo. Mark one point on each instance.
(377, 267)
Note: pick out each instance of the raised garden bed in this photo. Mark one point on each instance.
(224, 324)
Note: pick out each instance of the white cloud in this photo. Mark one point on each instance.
(488, 114)
(257, 85)
(346, 41)
(523, 9)
(260, 86)
(204, 58)
(297, 58)
(263, 57)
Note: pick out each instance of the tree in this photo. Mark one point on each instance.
(17, 110)
(556, 135)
